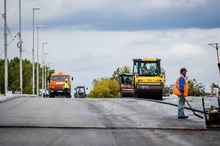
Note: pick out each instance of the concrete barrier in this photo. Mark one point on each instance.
(14, 96)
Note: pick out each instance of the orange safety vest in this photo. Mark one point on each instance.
(176, 88)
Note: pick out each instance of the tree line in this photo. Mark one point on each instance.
(14, 75)
(108, 87)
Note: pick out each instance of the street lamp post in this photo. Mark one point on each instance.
(6, 49)
(43, 67)
(38, 58)
(20, 47)
(45, 81)
(216, 45)
(33, 51)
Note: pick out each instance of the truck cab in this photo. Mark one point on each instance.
(80, 92)
(56, 84)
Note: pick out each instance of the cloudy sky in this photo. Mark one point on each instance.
(91, 38)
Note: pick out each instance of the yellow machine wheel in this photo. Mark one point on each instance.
(149, 91)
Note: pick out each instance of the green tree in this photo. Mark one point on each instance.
(122, 70)
(27, 76)
(168, 90)
(14, 75)
(108, 87)
(163, 72)
(2, 79)
(95, 81)
(105, 88)
(196, 89)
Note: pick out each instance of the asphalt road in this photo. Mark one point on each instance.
(99, 122)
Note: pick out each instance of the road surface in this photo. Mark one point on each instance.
(99, 122)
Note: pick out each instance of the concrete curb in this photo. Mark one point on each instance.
(7, 98)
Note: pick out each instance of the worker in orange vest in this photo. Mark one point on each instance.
(180, 89)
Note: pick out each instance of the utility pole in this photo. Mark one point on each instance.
(20, 46)
(38, 58)
(33, 86)
(6, 49)
(45, 81)
(216, 45)
(43, 67)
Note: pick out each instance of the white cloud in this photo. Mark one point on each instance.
(185, 50)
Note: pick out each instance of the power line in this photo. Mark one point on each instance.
(13, 38)
(9, 31)
(25, 50)
(24, 54)
(2, 52)
(1, 19)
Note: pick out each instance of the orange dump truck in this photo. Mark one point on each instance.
(56, 84)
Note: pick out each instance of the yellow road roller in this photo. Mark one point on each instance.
(147, 78)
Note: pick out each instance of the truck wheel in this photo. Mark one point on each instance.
(51, 95)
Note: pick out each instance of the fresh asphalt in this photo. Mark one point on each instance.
(101, 122)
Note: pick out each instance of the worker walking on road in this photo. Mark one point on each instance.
(66, 88)
(180, 89)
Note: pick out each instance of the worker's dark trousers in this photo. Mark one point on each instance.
(66, 92)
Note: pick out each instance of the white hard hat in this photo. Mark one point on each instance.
(65, 79)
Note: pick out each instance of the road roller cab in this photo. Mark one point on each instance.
(126, 85)
(147, 78)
